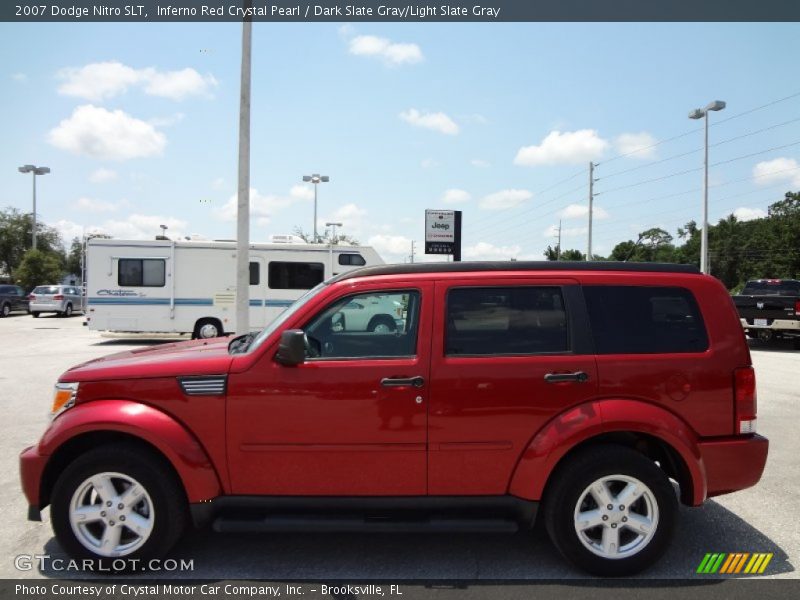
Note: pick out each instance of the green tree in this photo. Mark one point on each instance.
(572, 255)
(16, 231)
(326, 238)
(74, 258)
(38, 267)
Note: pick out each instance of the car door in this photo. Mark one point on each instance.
(507, 355)
(349, 421)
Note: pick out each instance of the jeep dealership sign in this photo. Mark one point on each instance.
(443, 232)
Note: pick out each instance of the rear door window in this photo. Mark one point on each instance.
(505, 321)
(644, 320)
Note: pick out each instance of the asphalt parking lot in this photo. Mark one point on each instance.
(33, 352)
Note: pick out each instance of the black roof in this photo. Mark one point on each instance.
(515, 265)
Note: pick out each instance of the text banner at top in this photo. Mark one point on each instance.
(277, 11)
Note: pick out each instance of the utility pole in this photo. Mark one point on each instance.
(412, 251)
(558, 248)
(243, 198)
(591, 207)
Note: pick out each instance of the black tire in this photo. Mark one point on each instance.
(572, 480)
(169, 507)
(67, 311)
(382, 320)
(5, 310)
(202, 327)
(35, 315)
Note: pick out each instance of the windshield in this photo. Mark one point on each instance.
(284, 316)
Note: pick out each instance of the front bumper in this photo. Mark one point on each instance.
(31, 468)
(734, 463)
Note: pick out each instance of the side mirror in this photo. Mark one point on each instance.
(292, 348)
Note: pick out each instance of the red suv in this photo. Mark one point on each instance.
(601, 392)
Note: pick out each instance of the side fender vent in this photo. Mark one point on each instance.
(211, 385)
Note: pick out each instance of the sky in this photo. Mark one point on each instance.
(139, 125)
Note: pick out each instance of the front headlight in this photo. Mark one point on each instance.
(63, 398)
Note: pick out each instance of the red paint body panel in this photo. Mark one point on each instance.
(177, 444)
(734, 463)
(31, 467)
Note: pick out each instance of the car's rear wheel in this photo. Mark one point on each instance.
(117, 502)
(35, 315)
(6, 310)
(382, 324)
(67, 311)
(610, 510)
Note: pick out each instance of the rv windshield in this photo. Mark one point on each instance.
(284, 316)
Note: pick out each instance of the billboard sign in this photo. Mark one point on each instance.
(443, 232)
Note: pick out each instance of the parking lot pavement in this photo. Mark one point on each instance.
(33, 352)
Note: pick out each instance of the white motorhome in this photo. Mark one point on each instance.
(167, 286)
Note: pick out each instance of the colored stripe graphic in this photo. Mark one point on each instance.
(730, 564)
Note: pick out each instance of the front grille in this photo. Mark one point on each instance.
(213, 385)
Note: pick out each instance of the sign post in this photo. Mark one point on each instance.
(443, 232)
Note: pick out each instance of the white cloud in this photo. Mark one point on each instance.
(177, 85)
(391, 248)
(144, 227)
(20, 77)
(435, 121)
(638, 145)
(391, 53)
(777, 170)
(505, 199)
(455, 196)
(429, 163)
(479, 163)
(69, 230)
(580, 211)
(90, 205)
(218, 183)
(263, 207)
(351, 216)
(167, 121)
(109, 135)
(103, 80)
(487, 251)
(748, 214)
(102, 175)
(571, 147)
(97, 81)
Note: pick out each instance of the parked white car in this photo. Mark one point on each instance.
(380, 314)
(61, 299)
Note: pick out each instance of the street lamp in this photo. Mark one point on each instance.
(333, 236)
(36, 171)
(316, 179)
(700, 113)
(163, 230)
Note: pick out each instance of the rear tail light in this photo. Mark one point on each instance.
(797, 307)
(58, 297)
(31, 296)
(745, 403)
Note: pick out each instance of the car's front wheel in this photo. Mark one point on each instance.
(5, 310)
(611, 511)
(117, 502)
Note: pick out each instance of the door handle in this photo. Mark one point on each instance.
(417, 382)
(578, 376)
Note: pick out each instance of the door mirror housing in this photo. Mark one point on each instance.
(292, 348)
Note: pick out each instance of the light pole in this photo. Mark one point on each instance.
(316, 179)
(700, 113)
(333, 235)
(36, 171)
(163, 230)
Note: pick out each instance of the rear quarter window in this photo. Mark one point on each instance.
(644, 320)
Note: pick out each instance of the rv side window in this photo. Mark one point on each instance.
(255, 273)
(295, 275)
(141, 272)
(355, 260)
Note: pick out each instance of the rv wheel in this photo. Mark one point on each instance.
(207, 328)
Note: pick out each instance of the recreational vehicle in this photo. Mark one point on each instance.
(167, 286)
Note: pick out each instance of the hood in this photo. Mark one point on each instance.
(196, 357)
